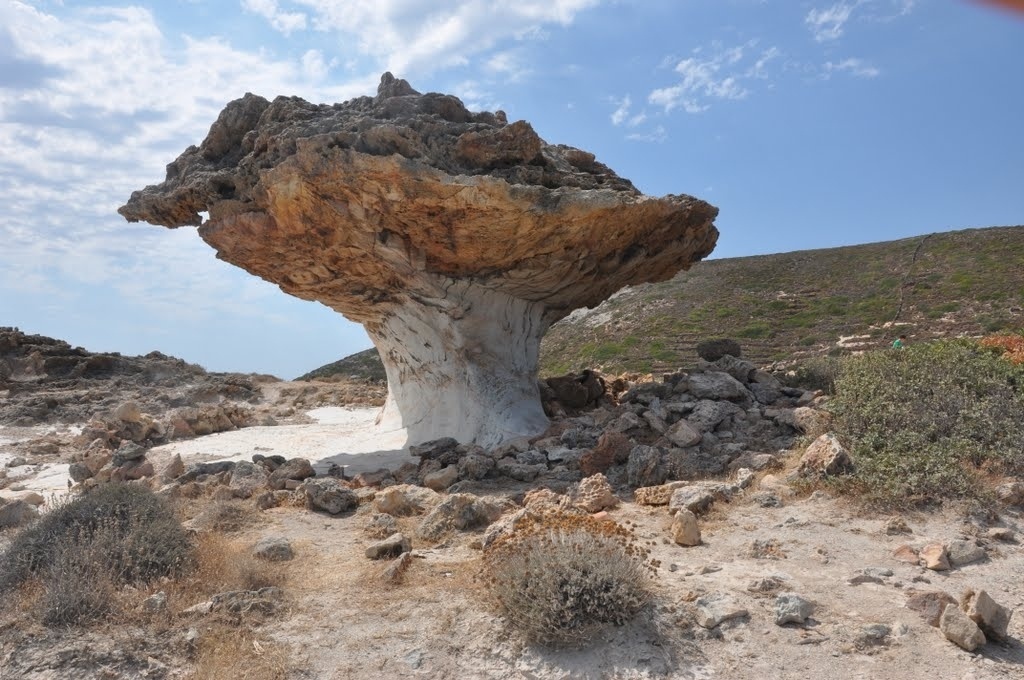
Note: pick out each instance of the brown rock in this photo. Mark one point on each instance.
(934, 557)
(907, 554)
(684, 529)
(594, 494)
(612, 448)
(442, 479)
(930, 605)
(456, 238)
(825, 457)
(657, 495)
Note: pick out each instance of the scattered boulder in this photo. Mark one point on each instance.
(906, 553)
(825, 457)
(960, 629)
(395, 572)
(441, 479)
(380, 525)
(930, 604)
(791, 608)
(993, 619)
(961, 553)
(656, 495)
(392, 546)
(296, 469)
(683, 435)
(247, 479)
(612, 448)
(644, 467)
(274, 549)
(594, 494)
(262, 601)
(697, 498)
(16, 513)
(934, 557)
(714, 608)
(684, 529)
(459, 511)
(405, 499)
(155, 603)
(328, 494)
(713, 350)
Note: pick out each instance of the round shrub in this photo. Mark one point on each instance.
(117, 533)
(924, 422)
(558, 579)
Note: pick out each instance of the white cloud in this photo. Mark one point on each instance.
(285, 22)
(620, 114)
(722, 74)
(658, 134)
(412, 36)
(855, 67)
(827, 24)
(507, 65)
(116, 102)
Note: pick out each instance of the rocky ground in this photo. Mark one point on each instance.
(716, 471)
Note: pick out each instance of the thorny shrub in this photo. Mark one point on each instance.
(924, 423)
(559, 578)
(83, 548)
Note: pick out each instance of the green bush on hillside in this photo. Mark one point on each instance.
(924, 422)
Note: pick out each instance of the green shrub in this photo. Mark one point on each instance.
(922, 423)
(559, 579)
(118, 533)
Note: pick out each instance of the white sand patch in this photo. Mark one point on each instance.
(346, 436)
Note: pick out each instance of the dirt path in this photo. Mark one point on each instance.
(345, 623)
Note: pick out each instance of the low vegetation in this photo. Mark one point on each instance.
(559, 579)
(929, 422)
(83, 549)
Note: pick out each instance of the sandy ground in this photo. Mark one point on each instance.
(343, 621)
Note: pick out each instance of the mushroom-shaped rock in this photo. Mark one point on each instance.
(455, 238)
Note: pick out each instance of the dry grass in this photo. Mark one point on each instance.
(222, 564)
(227, 652)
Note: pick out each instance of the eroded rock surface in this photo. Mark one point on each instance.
(456, 238)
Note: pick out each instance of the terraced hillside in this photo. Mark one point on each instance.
(792, 305)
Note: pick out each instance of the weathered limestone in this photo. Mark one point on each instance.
(456, 238)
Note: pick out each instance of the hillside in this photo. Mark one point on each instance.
(790, 306)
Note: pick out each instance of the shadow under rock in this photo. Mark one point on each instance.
(354, 463)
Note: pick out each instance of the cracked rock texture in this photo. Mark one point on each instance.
(456, 238)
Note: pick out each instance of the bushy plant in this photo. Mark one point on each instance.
(558, 578)
(924, 422)
(118, 533)
(815, 373)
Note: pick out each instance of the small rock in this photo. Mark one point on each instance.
(296, 469)
(442, 479)
(696, 498)
(594, 494)
(825, 457)
(395, 572)
(172, 469)
(934, 557)
(684, 529)
(1001, 534)
(262, 601)
(79, 472)
(873, 634)
(16, 513)
(656, 495)
(381, 525)
(459, 511)
(128, 451)
(612, 448)
(1011, 493)
(961, 553)
(392, 546)
(683, 435)
(329, 494)
(155, 603)
(274, 549)
(405, 499)
(17, 461)
(960, 629)
(791, 608)
(930, 604)
(906, 553)
(766, 584)
(992, 618)
(644, 467)
(714, 608)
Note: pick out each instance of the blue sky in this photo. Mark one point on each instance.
(809, 123)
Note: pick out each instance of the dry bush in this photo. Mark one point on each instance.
(225, 652)
(558, 579)
(87, 547)
(1012, 346)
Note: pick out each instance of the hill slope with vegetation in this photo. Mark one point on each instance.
(792, 306)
